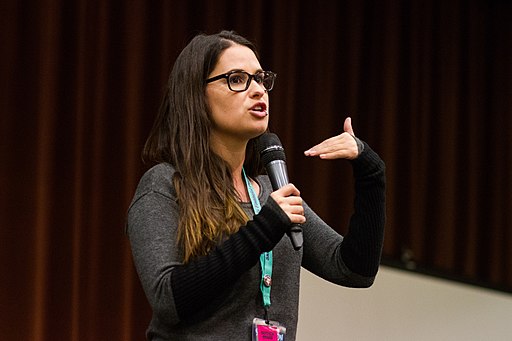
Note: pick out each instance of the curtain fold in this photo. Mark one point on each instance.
(427, 83)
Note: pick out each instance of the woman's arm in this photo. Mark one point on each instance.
(177, 291)
(330, 255)
(352, 260)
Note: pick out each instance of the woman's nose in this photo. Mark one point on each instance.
(256, 89)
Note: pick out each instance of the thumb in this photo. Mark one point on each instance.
(347, 126)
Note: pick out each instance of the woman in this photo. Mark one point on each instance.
(204, 221)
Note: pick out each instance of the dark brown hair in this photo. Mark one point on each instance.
(209, 204)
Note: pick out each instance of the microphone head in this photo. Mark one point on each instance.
(270, 148)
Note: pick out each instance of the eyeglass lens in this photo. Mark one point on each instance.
(239, 81)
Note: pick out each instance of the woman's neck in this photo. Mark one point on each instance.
(234, 155)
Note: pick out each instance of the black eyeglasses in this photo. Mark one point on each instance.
(239, 81)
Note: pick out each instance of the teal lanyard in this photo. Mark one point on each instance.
(266, 257)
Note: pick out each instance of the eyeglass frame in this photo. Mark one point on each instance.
(249, 80)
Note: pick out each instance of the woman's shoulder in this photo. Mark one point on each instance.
(157, 179)
(160, 171)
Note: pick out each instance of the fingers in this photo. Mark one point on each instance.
(342, 146)
(288, 198)
(288, 190)
(347, 126)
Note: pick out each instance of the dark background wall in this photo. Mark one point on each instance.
(427, 83)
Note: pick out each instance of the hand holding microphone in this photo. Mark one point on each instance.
(285, 194)
(288, 198)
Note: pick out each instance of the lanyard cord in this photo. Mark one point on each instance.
(266, 257)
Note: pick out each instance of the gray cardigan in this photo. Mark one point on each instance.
(217, 296)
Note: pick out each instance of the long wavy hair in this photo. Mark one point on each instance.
(208, 203)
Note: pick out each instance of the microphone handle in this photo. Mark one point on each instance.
(279, 177)
(295, 235)
(277, 173)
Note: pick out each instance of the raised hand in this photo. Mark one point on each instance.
(342, 146)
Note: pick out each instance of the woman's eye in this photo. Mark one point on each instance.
(237, 79)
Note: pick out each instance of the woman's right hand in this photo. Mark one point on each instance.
(288, 198)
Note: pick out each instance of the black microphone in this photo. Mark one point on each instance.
(273, 157)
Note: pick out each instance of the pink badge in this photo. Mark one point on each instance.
(267, 333)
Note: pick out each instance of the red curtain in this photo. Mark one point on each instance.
(427, 83)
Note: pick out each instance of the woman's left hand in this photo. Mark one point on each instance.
(342, 146)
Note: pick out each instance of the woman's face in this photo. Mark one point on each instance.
(237, 116)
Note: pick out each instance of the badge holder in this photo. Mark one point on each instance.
(264, 329)
(267, 330)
